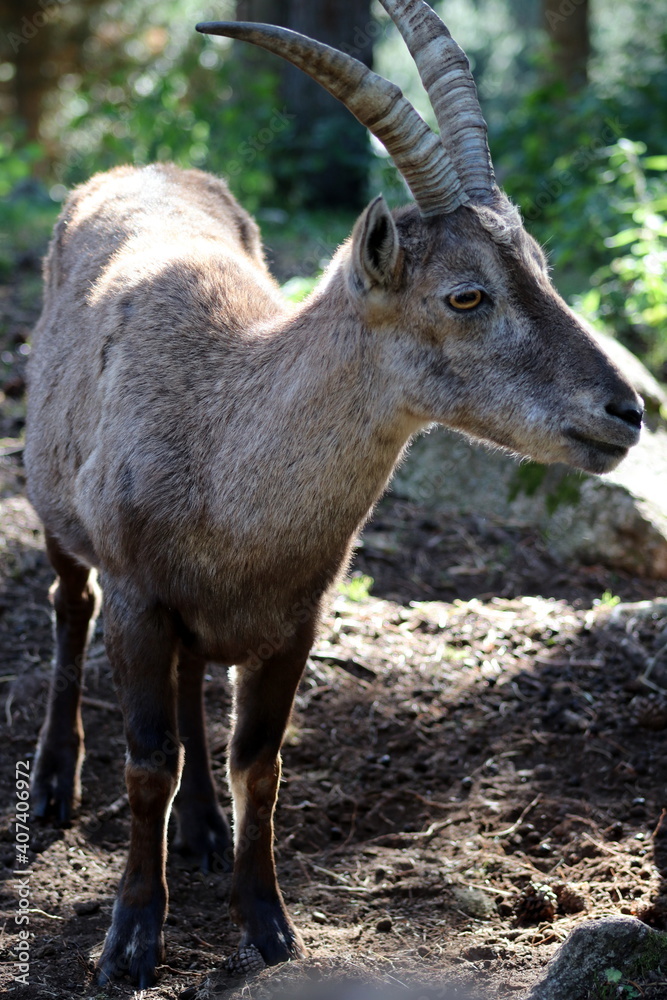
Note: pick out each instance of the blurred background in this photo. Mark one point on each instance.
(522, 741)
(574, 91)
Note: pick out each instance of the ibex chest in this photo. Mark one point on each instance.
(234, 600)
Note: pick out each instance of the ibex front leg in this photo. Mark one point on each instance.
(142, 648)
(263, 698)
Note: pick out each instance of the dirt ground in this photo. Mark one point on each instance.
(476, 763)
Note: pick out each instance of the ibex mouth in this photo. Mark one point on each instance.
(594, 455)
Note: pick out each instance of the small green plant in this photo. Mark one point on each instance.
(357, 588)
(608, 600)
(614, 983)
(614, 979)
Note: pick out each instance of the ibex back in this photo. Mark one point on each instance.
(212, 450)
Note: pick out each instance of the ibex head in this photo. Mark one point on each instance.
(491, 349)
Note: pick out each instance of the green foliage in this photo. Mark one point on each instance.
(568, 491)
(325, 163)
(27, 213)
(297, 288)
(151, 88)
(629, 292)
(302, 243)
(357, 588)
(588, 173)
(17, 159)
(530, 477)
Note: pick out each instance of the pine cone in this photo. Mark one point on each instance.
(649, 712)
(569, 900)
(536, 904)
(245, 961)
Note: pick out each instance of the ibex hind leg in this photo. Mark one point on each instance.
(203, 831)
(56, 780)
(263, 697)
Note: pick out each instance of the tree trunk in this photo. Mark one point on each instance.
(567, 25)
(43, 45)
(323, 160)
(28, 44)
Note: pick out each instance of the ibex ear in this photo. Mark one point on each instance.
(375, 247)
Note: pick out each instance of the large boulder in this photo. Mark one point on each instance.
(618, 520)
(598, 956)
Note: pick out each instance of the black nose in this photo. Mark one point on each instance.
(631, 413)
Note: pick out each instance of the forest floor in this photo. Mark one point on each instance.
(475, 765)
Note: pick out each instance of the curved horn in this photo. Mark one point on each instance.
(378, 104)
(445, 72)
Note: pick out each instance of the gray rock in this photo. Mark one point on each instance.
(618, 520)
(623, 945)
(474, 902)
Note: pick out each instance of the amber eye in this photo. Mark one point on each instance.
(465, 300)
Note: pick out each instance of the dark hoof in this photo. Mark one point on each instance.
(51, 805)
(134, 946)
(54, 791)
(274, 935)
(205, 838)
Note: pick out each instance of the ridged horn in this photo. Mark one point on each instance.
(445, 72)
(378, 104)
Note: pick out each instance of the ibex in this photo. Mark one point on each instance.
(212, 450)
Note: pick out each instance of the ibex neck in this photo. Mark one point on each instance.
(319, 450)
